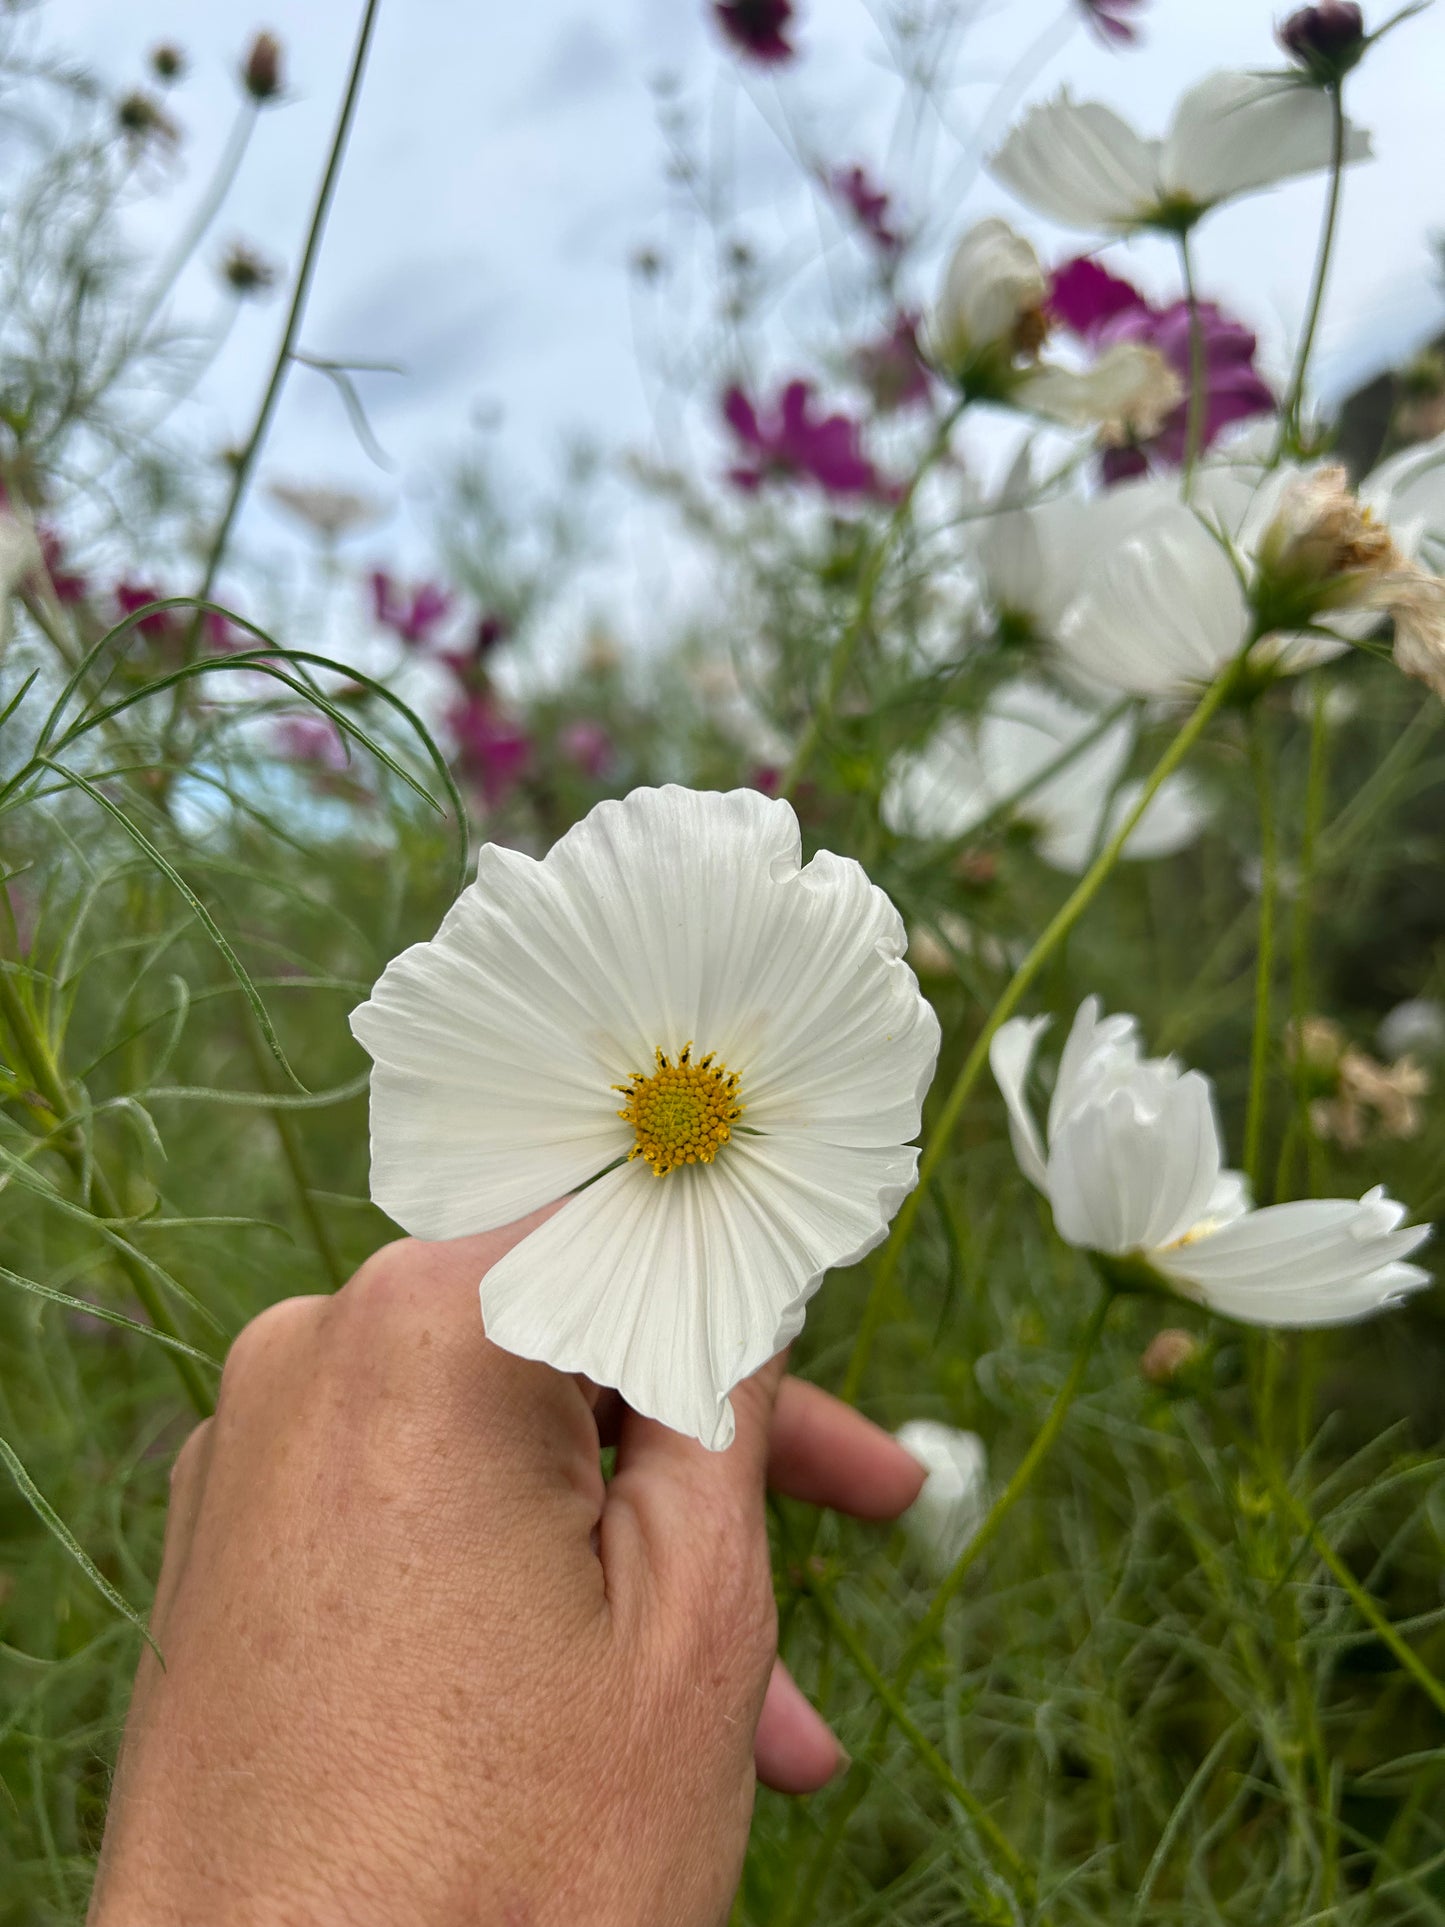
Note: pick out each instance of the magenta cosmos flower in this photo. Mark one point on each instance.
(1102, 309)
(869, 205)
(758, 27)
(1110, 20)
(492, 749)
(411, 614)
(788, 443)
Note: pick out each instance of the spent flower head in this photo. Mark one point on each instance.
(718, 1052)
(261, 70)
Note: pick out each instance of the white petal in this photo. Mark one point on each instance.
(1098, 1050)
(1136, 1166)
(950, 1508)
(1130, 390)
(831, 1034)
(1176, 817)
(1236, 132)
(942, 790)
(1078, 163)
(1407, 493)
(1323, 1261)
(1010, 1058)
(1162, 613)
(673, 1289)
(993, 279)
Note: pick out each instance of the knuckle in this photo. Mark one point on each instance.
(382, 1281)
(259, 1346)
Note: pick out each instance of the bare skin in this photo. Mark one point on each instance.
(424, 1666)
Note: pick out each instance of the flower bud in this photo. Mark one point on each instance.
(991, 310)
(1327, 40)
(168, 62)
(246, 272)
(1169, 1355)
(951, 1506)
(142, 117)
(261, 70)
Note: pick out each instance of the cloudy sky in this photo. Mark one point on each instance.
(507, 162)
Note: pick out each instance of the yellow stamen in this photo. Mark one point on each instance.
(683, 1112)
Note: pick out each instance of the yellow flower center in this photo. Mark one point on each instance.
(683, 1112)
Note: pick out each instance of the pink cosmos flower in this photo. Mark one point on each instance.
(412, 614)
(788, 443)
(167, 628)
(758, 27)
(492, 749)
(869, 205)
(1110, 20)
(68, 586)
(312, 739)
(891, 368)
(469, 664)
(1102, 309)
(587, 745)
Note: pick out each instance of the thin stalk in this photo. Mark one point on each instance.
(1264, 956)
(289, 1143)
(92, 1183)
(1289, 418)
(1001, 1846)
(1316, 789)
(206, 210)
(1053, 936)
(844, 649)
(1198, 385)
(862, 1771)
(245, 465)
(1365, 1606)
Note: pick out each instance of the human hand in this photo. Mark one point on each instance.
(424, 1666)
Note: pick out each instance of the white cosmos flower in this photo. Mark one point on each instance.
(1165, 607)
(950, 1509)
(1083, 166)
(1006, 760)
(989, 323)
(672, 960)
(1132, 1166)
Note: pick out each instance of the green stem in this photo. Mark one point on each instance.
(246, 463)
(49, 1082)
(846, 646)
(1001, 1846)
(861, 1773)
(1053, 936)
(1364, 1605)
(1264, 956)
(1198, 384)
(206, 211)
(289, 1142)
(1289, 419)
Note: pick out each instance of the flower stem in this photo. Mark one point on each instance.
(206, 210)
(1264, 956)
(1053, 936)
(33, 1049)
(861, 1773)
(844, 649)
(1289, 420)
(1198, 387)
(892, 1701)
(246, 463)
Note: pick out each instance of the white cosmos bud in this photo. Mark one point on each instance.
(991, 307)
(950, 1508)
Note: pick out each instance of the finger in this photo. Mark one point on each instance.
(795, 1749)
(690, 1522)
(826, 1453)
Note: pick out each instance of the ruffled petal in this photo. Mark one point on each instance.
(1323, 1261)
(1078, 163)
(1137, 1166)
(673, 1289)
(1162, 613)
(1097, 1049)
(1010, 1058)
(1236, 132)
